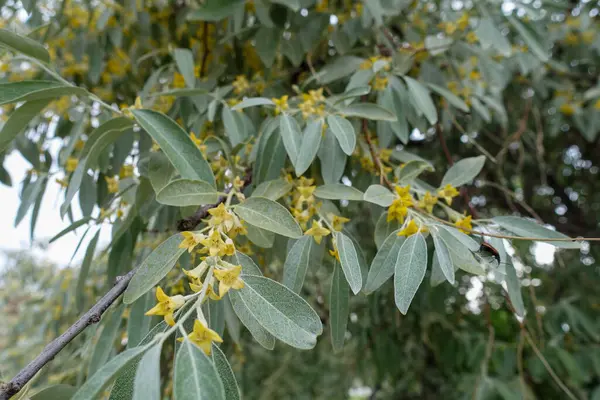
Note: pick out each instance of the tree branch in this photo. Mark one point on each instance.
(93, 316)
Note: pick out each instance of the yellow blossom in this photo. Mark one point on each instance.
(337, 222)
(229, 279)
(567, 109)
(221, 217)
(597, 104)
(428, 201)
(380, 83)
(178, 80)
(448, 193)
(317, 231)
(367, 64)
(79, 145)
(316, 95)
(334, 253)
(190, 240)
(402, 191)
(71, 164)
(166, 306)
(471, 37)
(126, 171)
(240, 84)
(199, 142)
(197, 285)
(112, 184)
(62, 182)
(450, 28)
(306, 193)
(214, 244)
(464, 224)
(202, 336)
(281, 104)
(463, 22)
(397, 211)
(411, 228)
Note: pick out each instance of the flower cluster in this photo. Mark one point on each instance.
(313, 104)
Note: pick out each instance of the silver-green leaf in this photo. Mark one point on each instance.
(269, 215)
(463, 171)
(368, 111)
(527, 228)
(311, 141)
(187, 192)
(297, 263)
(344, 132)
(196, 377)
(380, 195)
(382, 266)
(421, 99)
(410, 268)
(338, 191)
(290, 133)
(146, 384)
(349, 261)
(339, 296)
(23, 45)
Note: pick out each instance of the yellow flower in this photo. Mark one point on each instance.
(571, 38)
(450, 28)
(79, 145)
(214, 244)
(240, 84)
(474, 75)
(367, 64)
(402, 191)
(62, 182)
(221, 217)
(397, 211)
(197, 272)
(229, 279)
(280, 104)
(307, 108)
(337, 222)
(471, 37)
(428, 201)
(166, 306)
(380, 83)
(202, 336)
(597, 104)
(112, 184)
(71, 164)
(316, 95)
(317, 231)
(190, 240)
(448, 193)
(178, 80)
(464, 224)
(463, 21)
(198, 142)
(334, 253)
(411, 229)
(567, 109)
(197, 286)
(126, 171)
(306, 193)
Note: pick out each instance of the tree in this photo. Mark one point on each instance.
(290, 171)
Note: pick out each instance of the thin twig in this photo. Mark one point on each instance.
(206, 49)
(512, 194)
(376, 160)
(539, 145)
(519, 132)
(520, 364)
(92, 316)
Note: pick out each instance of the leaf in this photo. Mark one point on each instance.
(273, 190)
(15, 92)
(290, 133)
(253, 102)
(271, 153)
(410, 268)
(269, 215)
(451, 97)
(293, 322)
(513, 286)
(18, 121)
(411, 170)
(232, 391)
(70, 228)
(234, 126)
(461, 256)
(442, 254)
(463, 171)
(530, 38)
(311, 141)
(383, 228)
(344, 132)
(214, 10)
(527, 228)
(339, 68)
(23, 45)
(297, 263)
(138, 324)
(85, 268)
(338, 191)
(260, 237)
(185, 64)
(94, 386)
(489, 36)
(379, 195)
(382, 266)
(349, 261)
(260, 334)
(349, 94)
(187, 192)
(160, 170)
(421, 99)
(333, 159)
(437, 275)
(339, 309)
(437, 45)
(195, 375)
(267, 43)
(30, 194)
(55, 392)
(105, 344)
(368, 111)
(146, 385)
(248, 266)
(177, 145)
(155, 267)
(465, 240)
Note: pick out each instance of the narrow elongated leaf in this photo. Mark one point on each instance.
(411, 170)
(18, 121)
(451, 97)
(339, 296)
(56, 392)
(23, 45)
(410, 268)
(421, 99)
(273, 190)
(338, 191)
(460, 252)
(269, 215)
(530, 38)
(379, 195)
(463, 171)
(368, 111)
(527, 228)
(344, 133)
(349, 261)
(29, 196)
(437, 275)
(85, 267)
(248, 265)
(311, 141)
(253, 102)
(146, 385)
(297, 263)
(513, 286)
(383, 229)
(293, 322)
(160, 170)
(271, 153)
(290, 133)
(105, 344)
(138, 324)
(333, 159)
(187, 192)
(232, 322)
(195, 375)
(185, 63)
(490, 36)
(36, 90)
(177, 145)
(234, 126)
(382, 266)
(260, 237)
(260, 334)
(214, 10)
(232, 391)
(443, 257)
(155, 267)
(466, 240)
(92, 388)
